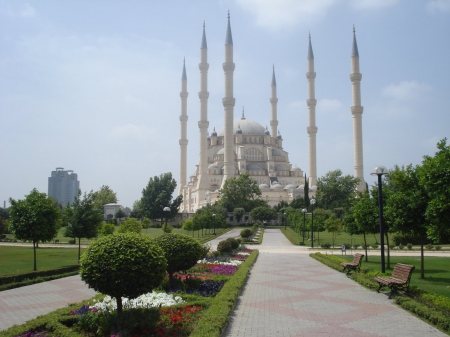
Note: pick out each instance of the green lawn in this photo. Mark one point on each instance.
(19, 260)
(437, 271)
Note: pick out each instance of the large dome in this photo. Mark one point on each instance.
(247, 126)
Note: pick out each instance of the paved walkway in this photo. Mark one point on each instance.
(287, 294)
(291, 294)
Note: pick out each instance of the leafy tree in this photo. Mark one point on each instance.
(35, 219)
(4, 224)
(281, 205)
(334, 190)
(123, 265)
(120, 214)
(263, 213)
(146, 223)
(157, 195)
(298, 203)
(181, 251)
(333, 225)
(242, 192)
(136, 211)
(434, 176)
(4, 213)
(105, 195)
(131, 225)
(238, 214)
(188, 225)
(84, 219)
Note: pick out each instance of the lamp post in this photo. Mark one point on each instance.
(312, 202)
(214, 224)
(166, 212)
(380, 171)
(304, 218)
(284, 218)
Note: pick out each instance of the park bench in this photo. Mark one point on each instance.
(399, 280)
(354, 265)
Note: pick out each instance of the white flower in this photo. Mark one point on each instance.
(229, 262)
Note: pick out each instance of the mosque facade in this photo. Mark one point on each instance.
(243, 145)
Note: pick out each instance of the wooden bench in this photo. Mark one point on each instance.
(399, 280)
(354, 265)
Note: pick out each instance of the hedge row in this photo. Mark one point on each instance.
(215, 318)
(35, 280)
(34, 274)
(430, 307)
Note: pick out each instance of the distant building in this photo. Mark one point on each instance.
(110, 210)
(63, 186)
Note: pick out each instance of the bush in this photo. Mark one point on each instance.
(356, 245)
(347, 246)
(206, 250)
(131, 225)
(107, 229)
(224, 246)
(438, 247)
(234, 243)
(409, 246)
(400, 246)
(375, 246)
(429, 247)
(326, 245)
(181, 251)
(126, 264)
(246, 233)
(167, 228)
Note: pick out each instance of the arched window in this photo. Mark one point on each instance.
(253, 155)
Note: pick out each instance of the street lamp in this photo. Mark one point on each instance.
(304, 218)
(312, 202)
(214, 224)
(166, 211)
(284, 221)
(380, 171)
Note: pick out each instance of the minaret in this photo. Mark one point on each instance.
(357, 110)
(273, 102)
(183, 119)
(202, 182)
(312, 128)
(228, 105)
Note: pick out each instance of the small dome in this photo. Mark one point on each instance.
(247, 126)
(263, 186)
(213, 166)
(296, 168)
(280, 168)
(221, 151)
(277, 187)
(279, 135)
(214, 133)
(239, 131)
(301, 187)
(275, 152)
(289, 187)
(216, 191)
(266, 132)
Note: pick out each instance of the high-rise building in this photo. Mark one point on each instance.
(63, 186)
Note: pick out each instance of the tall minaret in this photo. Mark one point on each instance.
(273, 102)
(357, 110)
(312, 128)
(183, 119)
(228, 105)
(202, 182)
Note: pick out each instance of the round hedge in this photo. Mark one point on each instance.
(234, 243)
(245, 233)
(123, 265)
(224, 246)
(181, 251)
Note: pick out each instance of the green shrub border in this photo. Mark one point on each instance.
(421, 308)
(215, 319)
(260, 239)
(292, 236)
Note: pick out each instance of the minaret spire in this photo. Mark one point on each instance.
(312, 128)
(202, 181)
(228, 104)
(273, 103)
(357, 111)
(183, 139)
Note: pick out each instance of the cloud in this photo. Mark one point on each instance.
(282, 14)
(438, 6)
(406, 90)
(372, 4)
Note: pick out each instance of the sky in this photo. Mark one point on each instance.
(93, 86)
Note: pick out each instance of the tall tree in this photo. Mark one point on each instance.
(105, 195)
(434, 176)
(35, 219)
(157, 195)
(241, 191)
(407, 205)
(333, 225)
(263, 213)
(334, 190)
(84, 219)
(238, 213)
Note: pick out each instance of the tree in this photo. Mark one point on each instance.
(263, 213)
(157, 195)
(333, 225)
(238, 214)
(298, 203)
(146, 223)
(123, 265)
(407, 205)
(136, 211)
(131, 225)
(281, 205)
(105, 195)
(188, 225)
(334, 190)
(120, 214)
(84, 219)
(35, 219)
(107, 229)
(434, 176)
(241, 191)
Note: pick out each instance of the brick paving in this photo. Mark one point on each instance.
(289, 294)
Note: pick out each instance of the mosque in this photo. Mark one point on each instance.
(243, 145)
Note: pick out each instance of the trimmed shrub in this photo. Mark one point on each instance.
(326, 245)
(429, 247)
(375, 246)
(400, 246)
(107, 229)
(181, 251)
(438, 247)
(224, 246)
(409, 246)
(132, 225)
(234, 243)
(123, 265)
(246, 233)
